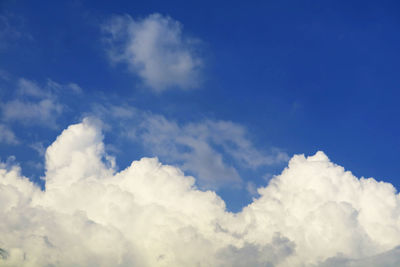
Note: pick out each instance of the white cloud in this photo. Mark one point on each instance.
(30, 88)
(314, 214)
(155, 49)
(215, 151)
(196, 147)
(193, 151)
(39, 148)
(389, 258)
(7, 135)
(42, 112)
(251, 188)
(34, 104)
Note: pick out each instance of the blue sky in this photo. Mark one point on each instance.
(272, 79)
(182, 133)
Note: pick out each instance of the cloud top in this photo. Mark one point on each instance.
(314, 214)
(156, 50)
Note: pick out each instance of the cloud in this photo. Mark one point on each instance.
(389, 258)
(215, 151)
(30, 88)
(34, 104)
(151, 214)
(191, 149)
(69, 87)
(39, 148)
(7, 135)
(155, 49)
(43, 112)
(12, 29)
(205, 148)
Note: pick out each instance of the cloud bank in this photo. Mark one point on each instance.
(155, 49)
(313, 214)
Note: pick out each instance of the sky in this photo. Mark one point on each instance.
(219, 133)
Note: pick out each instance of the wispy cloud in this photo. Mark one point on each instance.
(34, 104)
(209, 149)
(7, 135)
(156, 49)
(12, 29)
(215, 151)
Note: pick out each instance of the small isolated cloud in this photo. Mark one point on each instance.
(313, 214)
(7, 135)
(155, 49)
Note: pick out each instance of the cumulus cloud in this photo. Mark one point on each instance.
(313, 214)
(155, 49)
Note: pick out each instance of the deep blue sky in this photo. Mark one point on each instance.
(301, 76)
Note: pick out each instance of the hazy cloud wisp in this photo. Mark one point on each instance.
(37, 105)
(32, 105)
(194, 146)
(7, 135)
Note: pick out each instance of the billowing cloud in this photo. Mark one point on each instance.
(313, 214)
(155, 49)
